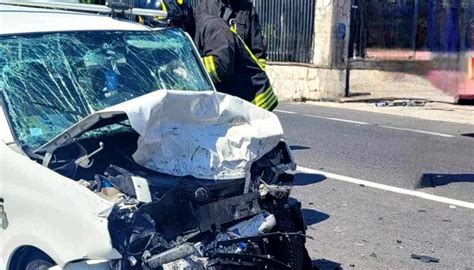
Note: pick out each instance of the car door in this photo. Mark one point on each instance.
(5, 138)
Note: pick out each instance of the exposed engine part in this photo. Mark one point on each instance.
(173, 254)
(257, 225)
(142, 189)
(170, 222)
(246, 261)
(215, 214)
(85, 161)
(270, 167)
(187, 264)
(277, 191)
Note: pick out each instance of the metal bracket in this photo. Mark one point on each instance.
(3, 216)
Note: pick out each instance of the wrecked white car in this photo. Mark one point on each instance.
(117, 153)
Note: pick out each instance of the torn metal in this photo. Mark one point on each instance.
(191, 179)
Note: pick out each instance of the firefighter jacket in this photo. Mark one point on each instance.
(241, 16)
(233, 67)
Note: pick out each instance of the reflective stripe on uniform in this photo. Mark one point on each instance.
(263, 62)
(210, 66)
(266, 100)
(254, 58)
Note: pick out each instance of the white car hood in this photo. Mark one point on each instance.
(207, 135)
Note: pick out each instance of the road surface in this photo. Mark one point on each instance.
(378, 188)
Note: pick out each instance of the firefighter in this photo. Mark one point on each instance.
(241, 16)
(232, 66)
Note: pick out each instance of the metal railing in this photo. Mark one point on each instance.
(288, 28)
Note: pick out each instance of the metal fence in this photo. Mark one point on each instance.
(288, 28)
(417, 25)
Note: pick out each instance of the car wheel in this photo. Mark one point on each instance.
(292, 253)
(33, 260)
(38, 265)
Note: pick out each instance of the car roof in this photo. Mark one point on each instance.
(21, 20)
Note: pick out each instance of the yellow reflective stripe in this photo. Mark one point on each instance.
(180, 2)
(270, 103)
(266, 100)
(211, 68)
(262, 97)
(141, 20)
(206, 65)
(164, 6)
(254, 58)
(263, 62)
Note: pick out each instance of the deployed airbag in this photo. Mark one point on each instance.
(207, 135)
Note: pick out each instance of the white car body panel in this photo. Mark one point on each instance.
(5, 134)
(48, 217)
(40, 21)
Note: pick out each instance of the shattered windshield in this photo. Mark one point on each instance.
(51, 81)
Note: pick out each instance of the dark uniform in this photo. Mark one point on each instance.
(241, 15)
(232, 66)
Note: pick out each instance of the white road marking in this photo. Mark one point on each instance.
(282, 111)
(326, 118)
(347, 121)
(365, 123)
(366, 183)
(421, 131)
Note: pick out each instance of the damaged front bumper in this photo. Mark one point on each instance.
(204, 188)
(236, 231)
(208, 225)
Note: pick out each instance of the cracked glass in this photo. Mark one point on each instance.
(51, 81)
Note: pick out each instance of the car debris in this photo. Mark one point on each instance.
(401, 103)
(425, 258)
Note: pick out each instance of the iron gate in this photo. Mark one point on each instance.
(288, 28)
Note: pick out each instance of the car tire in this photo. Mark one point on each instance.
(292, 253)
(34, 260)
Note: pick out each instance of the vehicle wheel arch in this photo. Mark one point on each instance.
(23, 252)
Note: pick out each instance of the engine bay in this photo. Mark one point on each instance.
(161, 221)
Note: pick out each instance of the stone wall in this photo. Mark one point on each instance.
(300, 82)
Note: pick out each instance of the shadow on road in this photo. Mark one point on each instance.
(468, 135)
(312, 216)
(304, 179)
(323, 264)
(296, 147)
(439, 179)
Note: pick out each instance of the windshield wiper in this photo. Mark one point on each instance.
(59, 109)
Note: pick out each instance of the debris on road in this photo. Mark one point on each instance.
(373, 255)
(399, 241)
(425, 258)
(401, 103)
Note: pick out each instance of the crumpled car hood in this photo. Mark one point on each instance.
(207, 135)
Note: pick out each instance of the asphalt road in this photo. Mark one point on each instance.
(371, 227)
